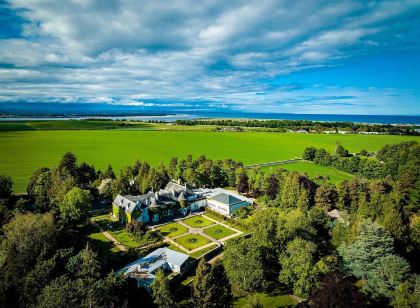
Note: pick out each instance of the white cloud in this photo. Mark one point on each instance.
(125, 51)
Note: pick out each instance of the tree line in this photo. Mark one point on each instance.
(283, 125)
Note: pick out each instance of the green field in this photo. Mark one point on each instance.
(218, 232)
(313, 170)
(21, 152)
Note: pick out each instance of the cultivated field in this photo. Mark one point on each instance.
(21, 152)
(313, 170)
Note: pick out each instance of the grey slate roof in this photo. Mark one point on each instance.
(226, 199)
(144, 268)
(125, 203)
(177, 188)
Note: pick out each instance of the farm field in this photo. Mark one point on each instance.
(312, 170)
(22, 152)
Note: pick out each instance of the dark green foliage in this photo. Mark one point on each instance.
(309, 153)
(85, 175)
(161, 292)
(386, 275)
(108, 173)
(340, 150)
(68, 163)
(61, 292)
(211, 287)
(373, 243)
(136, 228)
(26, 239)
(6, 186)
(245, 265)
(281, 125)
(242, 181)
(407, 294)
(395, 161)
(298, 268)
(336, 291)
(200, 284)
(326, 196)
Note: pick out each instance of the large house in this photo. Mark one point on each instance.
(154, 206)
(226, 202)
(143, 270)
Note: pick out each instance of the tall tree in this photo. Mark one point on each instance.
(298, 266)
(161, 292)
(200, 284)
(245, 266)
(326, 196)
(26, 239)
(372, 243)
(6, 186)
(212, 287)
(336, 291)
(68, 163)
(242, 185)
(386, 275)
(76, 205)
(220, 288)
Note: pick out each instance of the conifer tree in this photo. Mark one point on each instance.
(161, 292)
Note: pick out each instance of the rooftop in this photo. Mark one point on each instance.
(144, 268)
(225, 198)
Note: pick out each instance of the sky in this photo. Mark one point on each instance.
(326, 57)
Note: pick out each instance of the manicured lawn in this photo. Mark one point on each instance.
(218, 232)
(313, 170)
(226, 221)
(102, 244)
(198, 222)
(172, 229)
(199, 253)
(192, 241)
(125, 238)
(214, 216)
(266, 300)
(22, 152)
(106, 221)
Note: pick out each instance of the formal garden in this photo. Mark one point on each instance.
(192, 241)
(172, 229)
(198, 222)
(129, 238)
(218, 232)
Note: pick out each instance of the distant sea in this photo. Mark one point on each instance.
(371, 119)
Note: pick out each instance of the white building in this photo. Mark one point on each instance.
(223, 201)
(143, 270)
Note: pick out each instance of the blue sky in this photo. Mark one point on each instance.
(338, 57)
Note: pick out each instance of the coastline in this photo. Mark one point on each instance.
(404, 120)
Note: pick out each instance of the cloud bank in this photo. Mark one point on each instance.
(203, 55)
